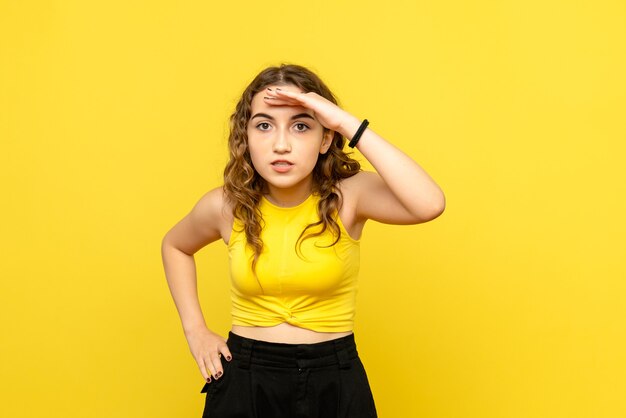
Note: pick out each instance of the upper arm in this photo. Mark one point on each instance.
(373, 199)
(208, 221)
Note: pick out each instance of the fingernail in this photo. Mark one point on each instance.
(219, 374)
(228, 358)
(208, 380)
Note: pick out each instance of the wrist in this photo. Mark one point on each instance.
(357, 136)
(349, 127)
(192, 329)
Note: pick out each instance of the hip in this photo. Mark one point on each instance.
(291, 380)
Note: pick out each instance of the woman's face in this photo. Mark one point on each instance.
(284, 143)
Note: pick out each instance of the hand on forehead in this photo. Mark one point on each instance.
(284, 87)
(270, 98)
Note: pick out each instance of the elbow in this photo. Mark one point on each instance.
(439, 207)
(164, 246)
(167, 245)
(165, 240)
(433, 209)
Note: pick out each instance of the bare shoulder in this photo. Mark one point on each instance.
(359, 180)
(209, 219)
(213, 210)
(352, 187)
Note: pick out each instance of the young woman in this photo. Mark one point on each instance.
(291, 212)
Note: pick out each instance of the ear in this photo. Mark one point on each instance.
(327, 140)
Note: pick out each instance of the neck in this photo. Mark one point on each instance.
(289, 197)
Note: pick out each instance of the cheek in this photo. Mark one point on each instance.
(254, 155)
(254, 148)
(314, 149)
(312, 157)
(258, 157)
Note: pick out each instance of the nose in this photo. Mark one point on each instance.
(281, 142)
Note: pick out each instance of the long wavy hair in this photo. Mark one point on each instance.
(244, 187)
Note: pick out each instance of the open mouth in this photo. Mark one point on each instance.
(282, 166)
(281, 163)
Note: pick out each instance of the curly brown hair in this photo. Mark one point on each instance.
(244, 187)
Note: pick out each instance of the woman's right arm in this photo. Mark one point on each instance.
(207, 222)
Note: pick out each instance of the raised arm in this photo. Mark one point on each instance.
(206, 223)
(400, 192)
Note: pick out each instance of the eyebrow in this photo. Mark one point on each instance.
(298, 116)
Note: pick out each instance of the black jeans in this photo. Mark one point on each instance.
(275, 380)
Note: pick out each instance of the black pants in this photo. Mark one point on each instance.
(276, 380)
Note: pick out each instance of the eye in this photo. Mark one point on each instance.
(264, 126)
(301, 127)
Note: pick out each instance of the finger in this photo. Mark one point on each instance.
(280, 101)
(300, 95)
(203, 370)
(217, 365)
(279, 91)
(286, 94)
(226, 353)
(210, 366)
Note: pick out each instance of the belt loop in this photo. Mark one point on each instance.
(245, 354)
(342, 355)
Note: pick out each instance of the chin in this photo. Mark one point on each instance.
(285, 183)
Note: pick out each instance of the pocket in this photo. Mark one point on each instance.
(212, 387)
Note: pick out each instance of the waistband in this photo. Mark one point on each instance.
(248, 351)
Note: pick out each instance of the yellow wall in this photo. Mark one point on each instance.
(113, 123)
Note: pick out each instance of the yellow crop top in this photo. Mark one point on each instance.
(316, 290)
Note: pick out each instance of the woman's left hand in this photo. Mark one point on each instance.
(327, 113)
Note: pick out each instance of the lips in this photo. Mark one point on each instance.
(282, 163)
(282, 166)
